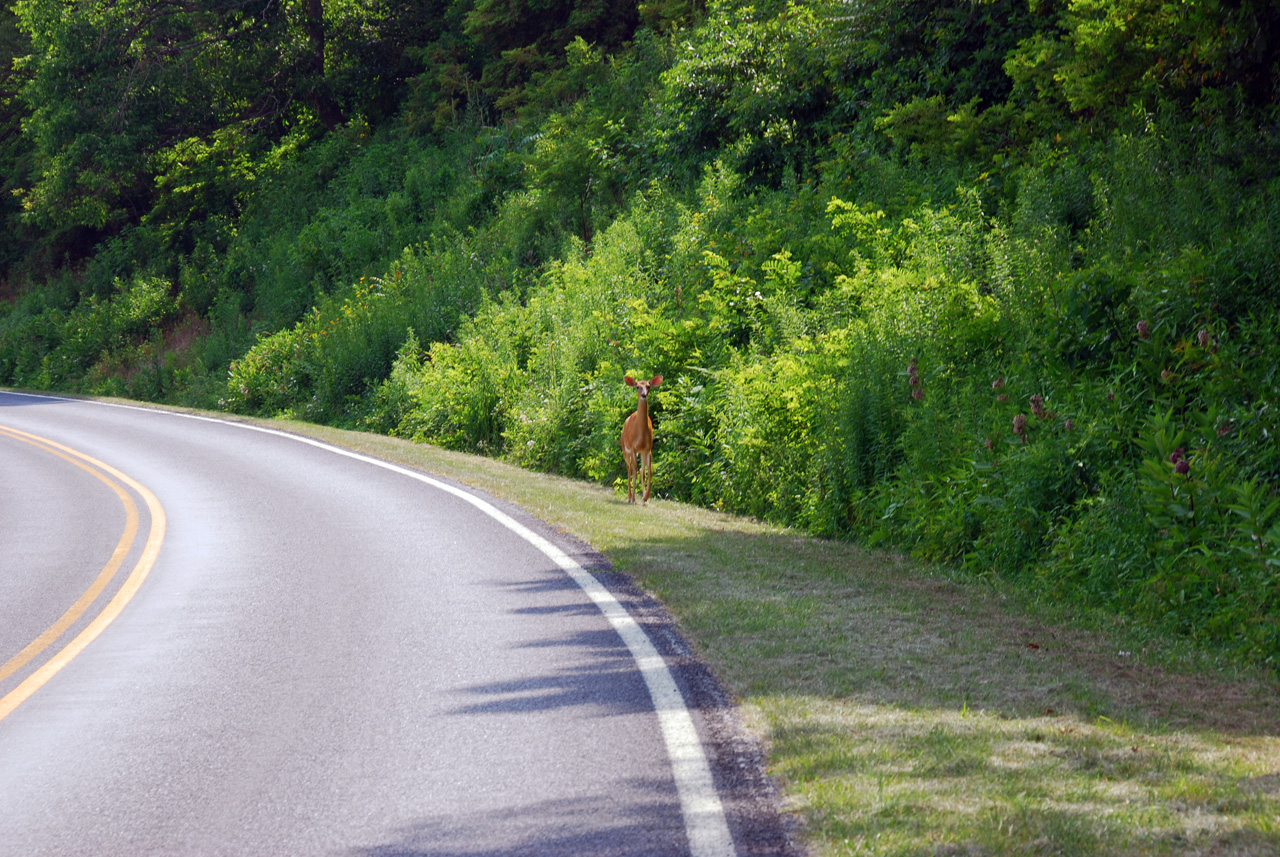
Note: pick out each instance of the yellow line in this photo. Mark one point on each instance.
(54, 631)
(150, 551)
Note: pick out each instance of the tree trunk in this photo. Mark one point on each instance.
(321, 98)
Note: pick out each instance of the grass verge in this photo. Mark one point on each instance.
(904, 713)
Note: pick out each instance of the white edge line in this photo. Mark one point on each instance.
(704, 818)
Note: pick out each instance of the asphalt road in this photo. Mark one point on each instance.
(295, 651)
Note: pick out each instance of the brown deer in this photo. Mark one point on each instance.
(637, 440)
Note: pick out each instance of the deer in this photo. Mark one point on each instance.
(637, 440)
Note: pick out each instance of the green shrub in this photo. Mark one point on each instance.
(461, 395)
(323, 366)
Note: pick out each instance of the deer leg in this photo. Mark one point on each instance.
(646, 474)
(631, 474)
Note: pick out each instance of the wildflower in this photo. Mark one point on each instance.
(1203, 338)
(913, 378)
(997, 384)
(1177, 455)
(1002, 398)
(1166, 376)
(988, 443)
(1020, 426)
(1037, 406)
(1224, 429)
(1144, 330)
(1069, 425)
(1182, 467)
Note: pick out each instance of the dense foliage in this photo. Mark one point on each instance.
(995, 282)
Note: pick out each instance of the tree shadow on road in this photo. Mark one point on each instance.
(603, 826)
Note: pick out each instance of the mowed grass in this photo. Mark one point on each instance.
(904, 713)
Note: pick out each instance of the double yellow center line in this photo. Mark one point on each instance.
(119, 483)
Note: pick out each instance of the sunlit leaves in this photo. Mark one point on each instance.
(1110, 53)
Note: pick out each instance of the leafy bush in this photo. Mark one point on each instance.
(53, 347)
(322, 366)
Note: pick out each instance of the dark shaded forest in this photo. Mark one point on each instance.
(990, 281)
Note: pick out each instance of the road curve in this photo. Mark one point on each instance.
(315, 653)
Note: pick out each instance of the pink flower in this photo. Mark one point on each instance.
(997, 384)
(1037, 406)
(1144, 330)
(1203, 338)
(1020, 426)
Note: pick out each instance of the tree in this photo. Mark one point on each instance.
(111, 84)
(524, 42)
(1108, 54)
(773, 83)
(14, 150)
(122, 90)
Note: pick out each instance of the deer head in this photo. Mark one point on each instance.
(642, 387)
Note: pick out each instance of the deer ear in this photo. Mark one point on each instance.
(631, 382)
(657, 379)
